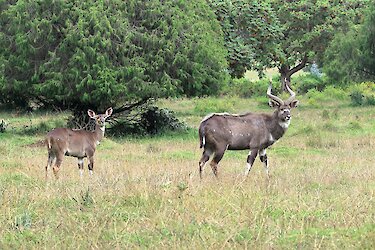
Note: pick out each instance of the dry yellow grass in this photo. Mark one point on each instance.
(146, 193)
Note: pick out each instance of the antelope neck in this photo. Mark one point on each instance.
(99, 132)
(276, 130)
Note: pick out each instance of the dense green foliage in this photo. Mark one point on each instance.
(251, 31)
(308, 26)
(286, 34)
(351, 55)
(79, 54)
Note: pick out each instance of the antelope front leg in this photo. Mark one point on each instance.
(250, 160)
(80, 166)
(263, 158)
(91, 164)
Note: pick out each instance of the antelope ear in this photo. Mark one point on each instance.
(91, 113)
(109, 111)
(294, 104)
(273, 104)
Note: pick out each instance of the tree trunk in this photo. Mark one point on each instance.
(286, 72)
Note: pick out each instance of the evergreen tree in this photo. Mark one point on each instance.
(94, 54)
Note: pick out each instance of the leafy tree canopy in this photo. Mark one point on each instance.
(308, 27)
(94, 54)
(286, 34)
(351, 55)
(251, 31)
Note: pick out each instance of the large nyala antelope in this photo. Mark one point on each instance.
(219, 132)
(76, 143)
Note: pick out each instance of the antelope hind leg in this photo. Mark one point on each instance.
(205, 157)
(217, 158)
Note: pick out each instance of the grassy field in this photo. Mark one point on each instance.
(146, 192)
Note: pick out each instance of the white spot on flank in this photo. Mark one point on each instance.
(203, 140)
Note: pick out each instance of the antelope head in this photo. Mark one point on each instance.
(100, 118)
(283, 107)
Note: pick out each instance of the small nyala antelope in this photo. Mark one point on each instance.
(76, 143)
(256, 132)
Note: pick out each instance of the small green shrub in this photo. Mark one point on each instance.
(370, 100)
(245, 88)
(151, 121)
(87, 199)
(362, 94)
(357, 98)
(315, 97)
(158, 120)
(307, 82)
(332, 92)
(22, 221)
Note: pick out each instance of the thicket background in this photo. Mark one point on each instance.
(76, 55)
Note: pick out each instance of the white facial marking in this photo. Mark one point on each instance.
(285, 124)
(285, 110)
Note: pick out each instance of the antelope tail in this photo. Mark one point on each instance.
(201, 136)
(49, 142)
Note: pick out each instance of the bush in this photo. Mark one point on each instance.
(357, 98)
(157, 120)
(307, 82)
(330, 93)
(362, 94)
(245, 88)
(152, 121)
